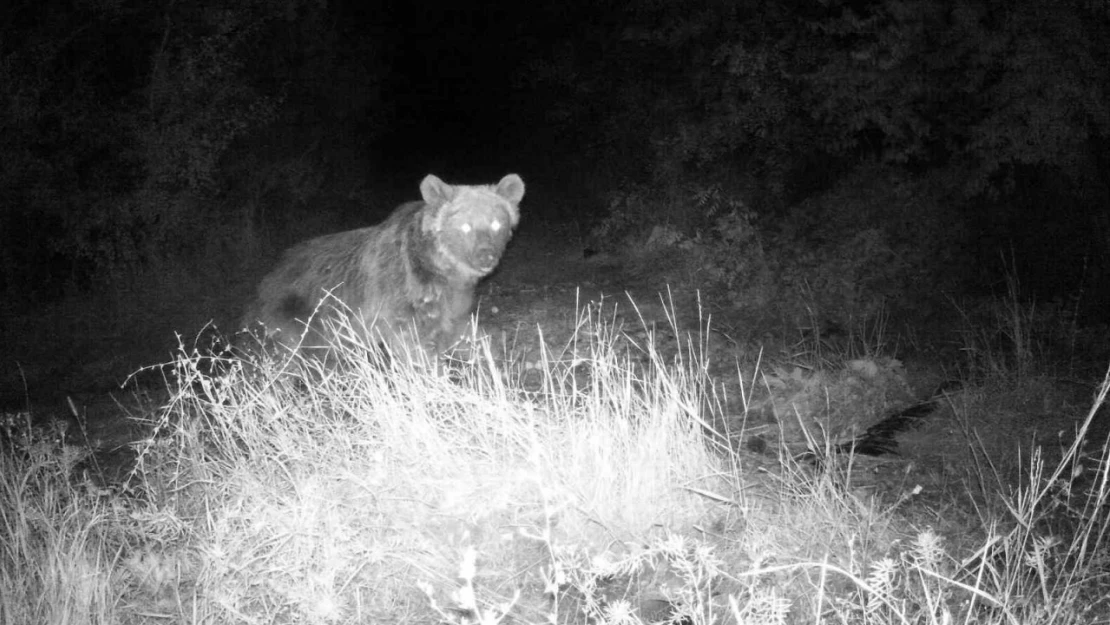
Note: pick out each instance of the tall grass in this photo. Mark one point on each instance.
(287, 490)
(60, 543)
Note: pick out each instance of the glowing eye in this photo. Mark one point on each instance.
(466, 228)
(495, 225)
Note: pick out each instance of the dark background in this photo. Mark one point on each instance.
(136, 137)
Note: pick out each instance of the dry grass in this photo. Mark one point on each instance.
(284, 491)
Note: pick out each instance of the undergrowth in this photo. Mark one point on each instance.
(286, 491)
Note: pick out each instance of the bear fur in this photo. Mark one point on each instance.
(405, 283)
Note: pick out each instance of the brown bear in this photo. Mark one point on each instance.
(406, 283)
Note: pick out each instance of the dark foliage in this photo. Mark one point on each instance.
(137, 134)
(783, 101)
(119, 123)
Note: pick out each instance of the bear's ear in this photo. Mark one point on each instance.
(435, 191)
(511, 188)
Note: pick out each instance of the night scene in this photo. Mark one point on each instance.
(594, 312)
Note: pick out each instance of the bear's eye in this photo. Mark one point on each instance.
(466, 228)
(495, 225)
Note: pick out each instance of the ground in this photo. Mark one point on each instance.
(65, 366)
(651, 415)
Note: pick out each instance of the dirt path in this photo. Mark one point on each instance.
(547, 282)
